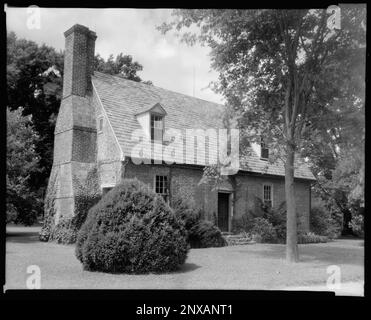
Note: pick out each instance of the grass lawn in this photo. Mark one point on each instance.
(254, 266)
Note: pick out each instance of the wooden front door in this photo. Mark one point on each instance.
(223, 211)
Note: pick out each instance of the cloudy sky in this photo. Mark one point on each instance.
(166, 62)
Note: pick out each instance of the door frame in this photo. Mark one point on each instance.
(230, 207)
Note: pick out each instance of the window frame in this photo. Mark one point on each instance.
(270, 185)
(164, 187)
(152, 129)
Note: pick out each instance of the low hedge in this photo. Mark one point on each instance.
(311, 237)
(263, 231)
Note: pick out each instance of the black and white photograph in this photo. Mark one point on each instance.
(185, 149)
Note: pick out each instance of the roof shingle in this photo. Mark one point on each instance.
(123, 99)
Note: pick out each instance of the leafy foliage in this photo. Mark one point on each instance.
(23, 202)
(322, 222)
(34, 81)
(242, 223)
(200, 233)
(122, 65)
(204, 234)
(277, 217)
(132, 230)
(311, 237)
(87, 194)
(64, 232)
(263, 231)
(185, 210)
(281, 71)
(49, 208)
(357, 225)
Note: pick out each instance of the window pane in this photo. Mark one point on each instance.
(267, 194)
(156, 127)
(161, 185)
(264, 153)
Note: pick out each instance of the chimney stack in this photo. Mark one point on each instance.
(78, 60)
(75, 135)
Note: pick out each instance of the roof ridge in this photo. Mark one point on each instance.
(156, 87)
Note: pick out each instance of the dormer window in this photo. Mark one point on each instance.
(152, 121)
(157, 127)
(264, 151)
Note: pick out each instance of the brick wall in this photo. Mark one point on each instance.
(84, 145)
(75, 132)
(79, 55)
(250, 187)
(185, 182)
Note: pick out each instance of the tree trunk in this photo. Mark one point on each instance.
(292, 254)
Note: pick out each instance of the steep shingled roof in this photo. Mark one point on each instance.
(123, 99)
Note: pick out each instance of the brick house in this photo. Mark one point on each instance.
(99, 114)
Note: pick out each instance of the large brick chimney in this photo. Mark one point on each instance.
(78, 60)
(75, 132)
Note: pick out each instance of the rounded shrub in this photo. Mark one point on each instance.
(264, 230)
(205, 234)
(322, 222)
(200, 233)
(185, 211)
(132, 230)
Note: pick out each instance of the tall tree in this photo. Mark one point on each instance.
(122, 65)
(34, 82)
(337, 160)
(278, 70)
(21, 161)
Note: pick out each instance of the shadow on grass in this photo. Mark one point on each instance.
(311, 253)
(22, 234)
(187, 267)
(22, 238)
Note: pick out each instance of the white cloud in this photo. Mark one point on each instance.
(163, 50)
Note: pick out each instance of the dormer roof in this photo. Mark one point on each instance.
(157, 108)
